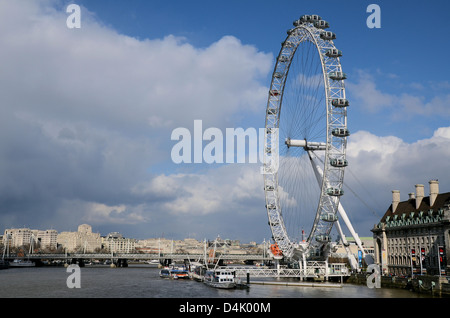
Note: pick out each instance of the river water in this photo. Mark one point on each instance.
(144, 282)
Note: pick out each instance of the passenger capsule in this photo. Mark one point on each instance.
(337, 76)
(278, 75)
(305, 18)
(269, 188)
(333, 53)
(339, 163)
(323, 238)
(315, 18)
(321, 24)
(340, 102)
(271, 206)
(335, 192)
(329, 217)
(274, 92)
(340, 132)
(283, 58)
(272, 111)
(327, 35)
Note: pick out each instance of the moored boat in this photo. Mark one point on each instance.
(164, 273)
(220, 278)
(21, 263)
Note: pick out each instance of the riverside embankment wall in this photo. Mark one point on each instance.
(422, 284)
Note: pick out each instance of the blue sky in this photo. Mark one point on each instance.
(404, 52)
(88, 113)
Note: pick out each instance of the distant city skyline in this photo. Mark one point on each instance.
(87, 113)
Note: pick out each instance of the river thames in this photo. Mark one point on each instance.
(144, 282)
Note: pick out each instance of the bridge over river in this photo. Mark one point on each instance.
(311, 270)
(140, 257)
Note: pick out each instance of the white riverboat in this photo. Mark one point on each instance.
(220, 278)
(21, 263)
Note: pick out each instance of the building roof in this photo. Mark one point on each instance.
(409, 206)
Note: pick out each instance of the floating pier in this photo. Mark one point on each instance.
(297, 284)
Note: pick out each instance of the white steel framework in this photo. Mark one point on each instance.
(307, 107)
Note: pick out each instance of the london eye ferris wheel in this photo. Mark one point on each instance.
(305, 140)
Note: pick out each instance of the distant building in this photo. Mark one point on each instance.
(115, 242)
(367, 243)
(17, 237)
(83, 240)
(47, 238)
(413, 235)
(25, 236)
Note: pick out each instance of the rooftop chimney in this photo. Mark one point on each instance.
(412, 195)
(434, 191)
(395, 199)
(420, 193)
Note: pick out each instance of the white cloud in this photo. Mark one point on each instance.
(378, 165)
(367, 95)
(87, 112)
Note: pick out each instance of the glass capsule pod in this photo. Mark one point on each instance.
(270, 206)
(321, 24)
(340, 102)
(340, 132)
(337, 76)
(305, 18)
(329, 217)
(333, 53)
(327, 35)
(335, 192)
(339, 163)
(283, 58)
(272, 111)
(323, 238)
(278, 75)
(315, 18)
(274, 92)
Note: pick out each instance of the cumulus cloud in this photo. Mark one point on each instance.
(378, 165)
(370, 97)
(87, 114)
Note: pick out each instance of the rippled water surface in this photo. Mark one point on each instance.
(144, 282)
